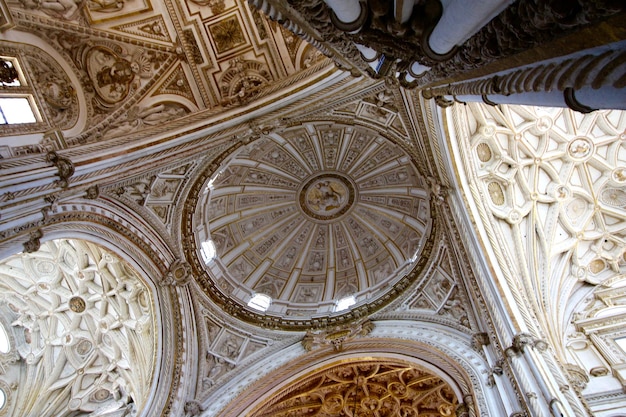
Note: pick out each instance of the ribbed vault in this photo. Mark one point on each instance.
(81, 325)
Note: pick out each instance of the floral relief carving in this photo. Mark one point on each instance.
(364, 388)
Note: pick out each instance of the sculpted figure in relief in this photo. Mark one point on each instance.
(64, 9)
(139, 117)
(105, 6)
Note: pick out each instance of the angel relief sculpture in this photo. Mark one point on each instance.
(105, 6)
(63, 9)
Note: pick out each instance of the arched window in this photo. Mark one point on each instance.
(16, 100)
(260, 302)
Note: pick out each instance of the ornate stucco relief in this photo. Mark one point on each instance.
(84, 329)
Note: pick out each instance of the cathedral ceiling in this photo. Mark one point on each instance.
(365, 388)
(81, 328)
(549, 185)
(109, 69)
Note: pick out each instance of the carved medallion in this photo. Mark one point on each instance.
(77, 304)
(327, 196)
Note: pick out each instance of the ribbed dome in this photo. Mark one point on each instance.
(313, 215)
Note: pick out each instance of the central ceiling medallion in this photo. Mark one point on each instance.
(327, 196)
(316, 221)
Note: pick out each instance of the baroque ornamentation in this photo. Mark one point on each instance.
(364, 388)
(577, 376)
(337, 336)
(78, 307)
(521, 341)
(138, 118)
(54, 85)
(332, 212)
(179, 274)
(479, 340)
(33, 244)
(92, 192)
(568, 165)
(193, 408)
(60, 9)
(242, 81)
(65, 168)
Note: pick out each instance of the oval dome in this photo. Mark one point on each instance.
(310, 216)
